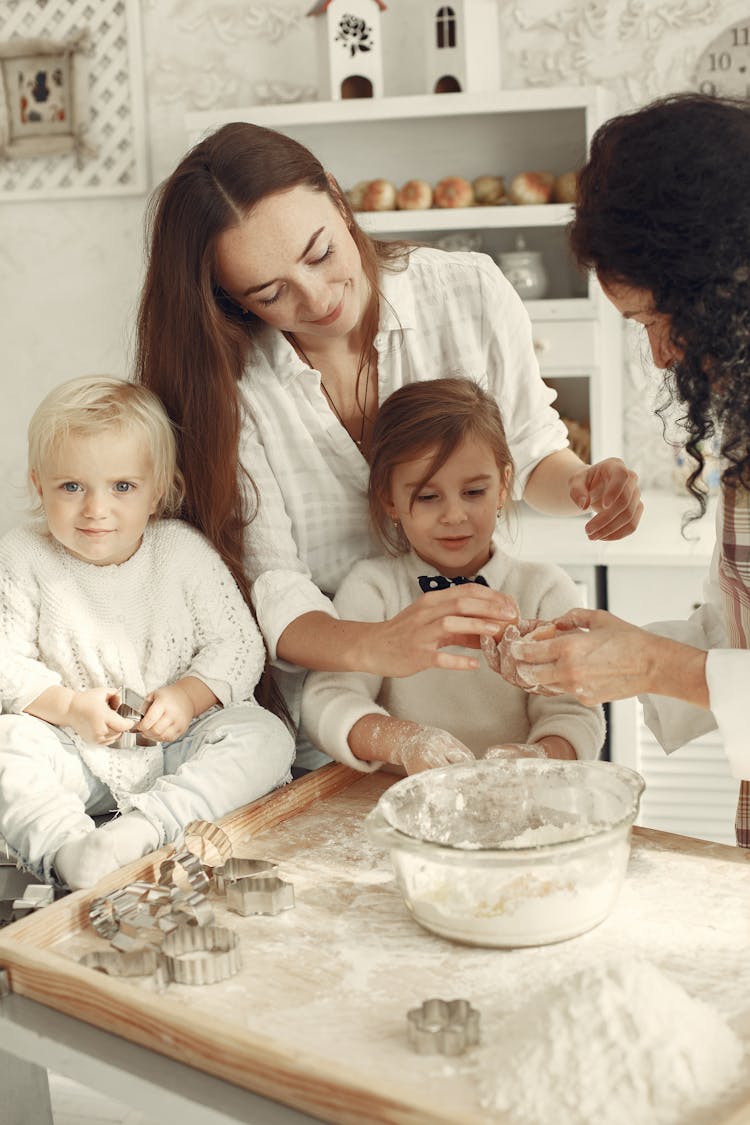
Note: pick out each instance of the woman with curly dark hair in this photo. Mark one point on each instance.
(663, 217)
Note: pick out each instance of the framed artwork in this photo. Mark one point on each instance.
(72, 106)
(44, 96)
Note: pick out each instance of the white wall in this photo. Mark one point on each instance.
(70, 270)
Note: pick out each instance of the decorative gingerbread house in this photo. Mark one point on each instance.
(350, 48)
(462, 46)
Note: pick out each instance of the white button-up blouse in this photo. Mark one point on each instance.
(445, 314)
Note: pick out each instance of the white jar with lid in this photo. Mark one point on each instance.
(525, 270)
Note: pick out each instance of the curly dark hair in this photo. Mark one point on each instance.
(663, 204)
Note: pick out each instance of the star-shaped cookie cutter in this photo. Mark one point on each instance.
(443, 1027)
(260, 894)
(238, 867)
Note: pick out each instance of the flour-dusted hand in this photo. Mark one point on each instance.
(515, 750)
(501, 659)
(428, 748)
(93, 715)
(611, 489)
(596, 657)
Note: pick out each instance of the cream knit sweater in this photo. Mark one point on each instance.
(479, 707)
(171, 610)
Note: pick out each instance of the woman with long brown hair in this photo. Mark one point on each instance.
(271, 326)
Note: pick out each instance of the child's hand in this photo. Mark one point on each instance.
(170, 713)
(501, 660)
(514, 750)
(429, 748)
(93, 715)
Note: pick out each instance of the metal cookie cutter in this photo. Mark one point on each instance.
(137, 963)
(191, 868)
(260, 894)
(202, 954)
(443, 1027)
(240, 868)
(132, 706)
(208, 842)
(35, 896)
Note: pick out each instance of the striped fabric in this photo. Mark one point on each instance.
(734, 581)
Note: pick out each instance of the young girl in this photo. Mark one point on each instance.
(440, 474)
(103, 594)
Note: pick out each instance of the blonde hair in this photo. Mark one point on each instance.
(93, 403)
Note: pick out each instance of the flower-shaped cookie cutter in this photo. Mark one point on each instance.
(202, 954)
(238, 867)
(443, 1027)
(260, 894)
(184, 863)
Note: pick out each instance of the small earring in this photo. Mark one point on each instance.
(499, 512)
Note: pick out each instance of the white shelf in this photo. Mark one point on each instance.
(200, 122)
(465, 218)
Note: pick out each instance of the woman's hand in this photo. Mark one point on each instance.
(594, 655)
(500, 657)
(416, 637)
(611, 489)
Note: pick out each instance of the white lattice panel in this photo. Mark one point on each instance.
(116, 126)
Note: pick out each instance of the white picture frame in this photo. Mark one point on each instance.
(101, 148)
(44, 96)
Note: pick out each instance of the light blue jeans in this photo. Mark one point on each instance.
(227, 757)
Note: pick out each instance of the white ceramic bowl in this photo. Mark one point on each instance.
(510, 853)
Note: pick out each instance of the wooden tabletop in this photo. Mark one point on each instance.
(316, 1017)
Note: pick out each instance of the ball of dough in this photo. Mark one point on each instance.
(565, 188)
(489, 191)
(454, 191)
(379, 195)
(415, 195)
(532, 187)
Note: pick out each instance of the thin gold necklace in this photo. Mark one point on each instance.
(302, 354)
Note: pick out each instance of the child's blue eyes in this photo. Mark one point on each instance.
(121, 486)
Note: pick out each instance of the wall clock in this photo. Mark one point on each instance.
(723, 69)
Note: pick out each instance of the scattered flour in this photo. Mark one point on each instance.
(612, 1045)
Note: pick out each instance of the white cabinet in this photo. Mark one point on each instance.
(577, 333)
(690, 791)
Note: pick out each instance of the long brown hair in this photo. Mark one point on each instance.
(192, 340)
(431, 416)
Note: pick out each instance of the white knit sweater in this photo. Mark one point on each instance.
(479, 707)
(171, 610)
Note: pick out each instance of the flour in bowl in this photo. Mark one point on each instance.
(611, 1045)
